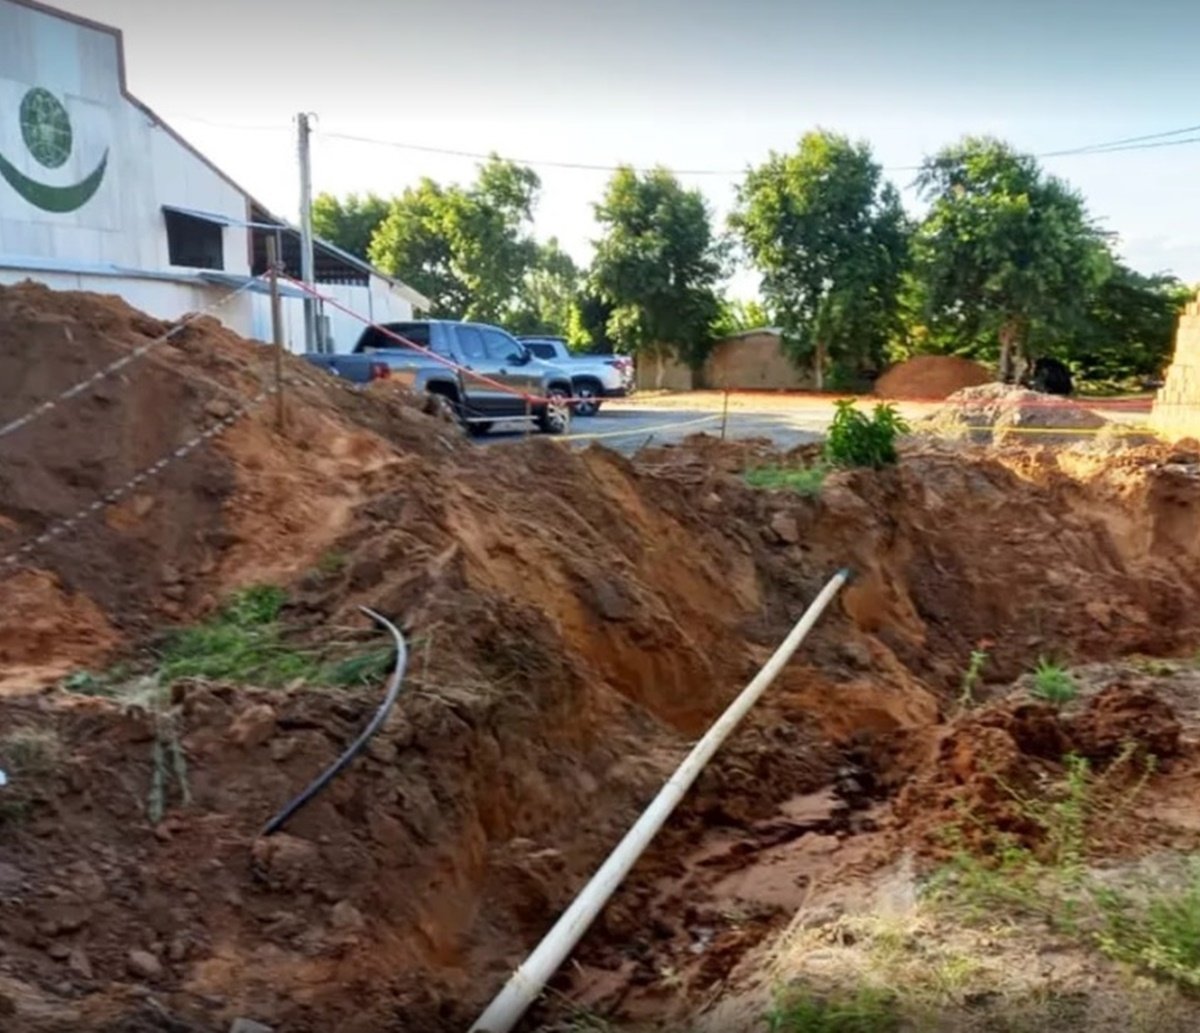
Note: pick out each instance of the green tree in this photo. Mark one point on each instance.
(1129, 326)
(736, 316)
(349, 224)
(468, 249)
(1007, 258)
(548, 293)
(587, 325)
(830, 239)
(657, 265)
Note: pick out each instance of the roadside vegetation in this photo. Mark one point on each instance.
(802, 480)
(1004, 264)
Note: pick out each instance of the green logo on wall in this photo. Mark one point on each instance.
(46, 130)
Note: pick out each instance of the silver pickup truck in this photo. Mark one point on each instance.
(486, 379)
(593, 377)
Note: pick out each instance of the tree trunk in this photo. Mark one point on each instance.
(1010, 349)
(819, 367)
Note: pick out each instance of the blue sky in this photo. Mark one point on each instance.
(706, 84)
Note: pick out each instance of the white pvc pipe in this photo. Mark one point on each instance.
(527, 982)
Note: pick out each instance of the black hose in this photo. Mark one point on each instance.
(285, 815)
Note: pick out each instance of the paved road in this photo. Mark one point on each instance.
(627, 427)
(789, 420)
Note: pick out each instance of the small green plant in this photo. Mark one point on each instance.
(1159, 933)
(974, 671)
(241, 643)
(804, 480)
(867, 1011)
(856, 439)
(1053, 683)
(245, 642)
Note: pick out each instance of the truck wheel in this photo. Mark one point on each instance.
(555, 416)
(586, 399)
(478, 430)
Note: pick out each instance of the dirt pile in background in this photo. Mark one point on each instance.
(1000, 412)
(575, 619)
(930, 377)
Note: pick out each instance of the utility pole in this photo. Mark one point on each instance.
(276, 328)
(307, 263)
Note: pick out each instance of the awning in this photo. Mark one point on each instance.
(257, 286)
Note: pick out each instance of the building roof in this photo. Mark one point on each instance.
(257, 212)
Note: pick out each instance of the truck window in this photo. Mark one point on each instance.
(541, 349)
(374, 338)
(470, 341)
(500, 347)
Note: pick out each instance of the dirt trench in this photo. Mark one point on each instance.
(576, 620)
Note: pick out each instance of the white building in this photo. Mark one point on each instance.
(97, 193)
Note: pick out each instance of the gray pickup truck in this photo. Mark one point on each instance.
(593, 377)
(508, 373)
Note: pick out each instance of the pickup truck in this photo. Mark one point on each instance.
(512, 373)
(593, 377)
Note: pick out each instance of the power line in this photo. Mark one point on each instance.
(544, 162)
(1132, 143)
(1115, 144)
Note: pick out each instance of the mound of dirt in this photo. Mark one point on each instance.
(575, 620)
(1001, 412)
(255, 503)
(931, 377)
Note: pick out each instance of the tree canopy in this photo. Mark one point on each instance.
(548, 294)
(829, 237)
(657, 265)
(1007, 259)
(348, 223)
(468, 249)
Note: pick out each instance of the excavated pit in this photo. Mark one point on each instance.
(577, 619)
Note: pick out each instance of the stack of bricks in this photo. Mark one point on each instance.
(1177, 407)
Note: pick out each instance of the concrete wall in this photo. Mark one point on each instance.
(663, 373)
(753, 361)
(1177, 406)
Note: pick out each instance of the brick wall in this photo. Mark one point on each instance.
(1177, 406)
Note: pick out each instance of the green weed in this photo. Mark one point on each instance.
(805, 480)
(242, 643)
(1053, 683)
(971, 677)
(1157, 931)
(856, 439)
(867, 1011)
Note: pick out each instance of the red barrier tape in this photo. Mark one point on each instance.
(449, 363)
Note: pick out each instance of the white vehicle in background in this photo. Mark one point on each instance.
(593, 377)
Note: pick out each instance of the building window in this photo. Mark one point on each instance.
(196, 243)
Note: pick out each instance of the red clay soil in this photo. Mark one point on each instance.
(929, 377)
(575, 620)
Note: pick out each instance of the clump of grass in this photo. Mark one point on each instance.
(866, 1011)
(242, 643)
(246, 642)
(1158, 933)
(1150, 922)
(856, 439)
(803, 480)
(1053, 683)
